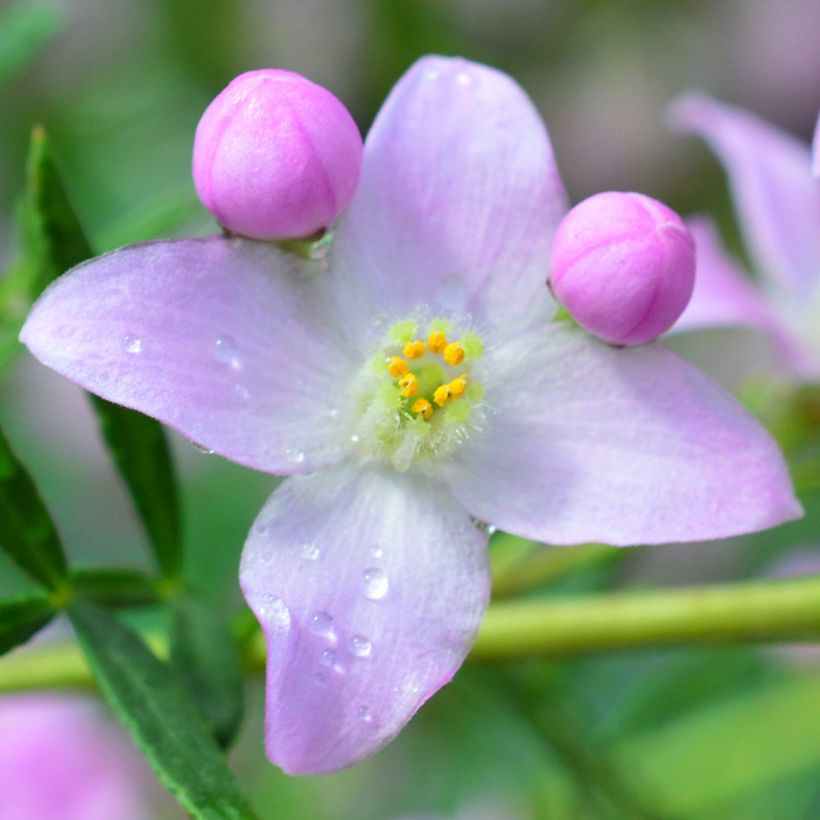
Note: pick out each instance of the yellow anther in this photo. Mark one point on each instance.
(441, 394)
(397, 366)
(454, 353)
(458, 386)
(409, 385)
(414, 349)
(423, 408)
(437, 342)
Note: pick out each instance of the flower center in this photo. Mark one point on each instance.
(418, 396)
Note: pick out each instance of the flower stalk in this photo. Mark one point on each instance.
(787, 610)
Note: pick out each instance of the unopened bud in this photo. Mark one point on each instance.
(276, 156)
(623, 265)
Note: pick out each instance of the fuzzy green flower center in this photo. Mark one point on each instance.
(418, 398)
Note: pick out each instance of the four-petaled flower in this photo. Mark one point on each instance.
(412, 382)
(778, 205)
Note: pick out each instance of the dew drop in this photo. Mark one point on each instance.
(131, 344)
(226, 353)
(361, 646)
(328, 658)
(294, 456)
(374, 584)
(376, 552)
(260, 528)
(491, 529)
(242, 392)
(365, 715)
(203, 449)
(354, 438)
(310, 552)
(322, 624)
(272, 609)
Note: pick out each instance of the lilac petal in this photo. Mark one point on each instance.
(229, 341)
(585, 442)
(815, 167)
(777, 200)
(725, 297)
(459, 198)
(370, 587)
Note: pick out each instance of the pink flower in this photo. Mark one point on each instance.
(59, 759)
(778, 206)
(410, 382)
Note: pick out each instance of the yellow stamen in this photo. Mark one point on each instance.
(414, 349)
(454, 354)
(397, 366)
(409, 385)
(423, 408)
(458, 386)
(441, 394)
(436, 341)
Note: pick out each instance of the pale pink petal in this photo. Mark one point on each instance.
(816, 150)
(459, 198)
(229, 341)
(586, 442)
(725, 297)
(777, 201)
(370, 587)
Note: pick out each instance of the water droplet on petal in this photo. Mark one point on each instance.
(203, 449)
(225, 351)
(131, 344)
(491, 529)
(376, 552)
(294, 456)
(328, 658)
(365, 714)
(322, 624)
(242, 392)
(374, 584)
(272, 608)
(361, 646)
(260, 528)
(310, 552)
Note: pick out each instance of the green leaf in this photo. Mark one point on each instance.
(21, 617)
(27, 533)
(25, 27)
(155, 707)
(205, 653)
(115, 586)
(52, 242)
(140, 450)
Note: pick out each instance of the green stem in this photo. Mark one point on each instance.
(774, 610)
(783, 610)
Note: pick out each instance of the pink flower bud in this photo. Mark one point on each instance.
(276, 156)
(623, 265)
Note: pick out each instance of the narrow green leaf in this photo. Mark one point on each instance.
(25, 27)
(53, 242)
(53, 238)
(27, 533)
(21, 617)
(155, 707)
(140, 450)
(115, 586)
(206, 655)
